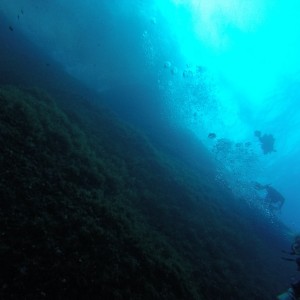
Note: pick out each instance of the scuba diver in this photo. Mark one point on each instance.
(293, 293)
(295, 250)
(273, 199)
(266, 142)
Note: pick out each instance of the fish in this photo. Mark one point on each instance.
(212, 135)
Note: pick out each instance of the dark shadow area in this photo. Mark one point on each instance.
(92, 208)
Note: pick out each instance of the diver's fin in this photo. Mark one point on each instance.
(288, 295)
(288, 259)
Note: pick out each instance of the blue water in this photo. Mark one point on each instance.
(225, 67)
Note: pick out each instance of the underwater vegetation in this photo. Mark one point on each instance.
(91, 209)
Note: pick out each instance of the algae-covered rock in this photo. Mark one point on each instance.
(90, 209)
(64, 232)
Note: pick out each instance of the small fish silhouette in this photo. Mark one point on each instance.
(212, 135)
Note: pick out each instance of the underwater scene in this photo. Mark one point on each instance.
(150, 149)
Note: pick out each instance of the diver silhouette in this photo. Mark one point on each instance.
(295, 250)
(266, 142)
(293, 293)
(273, 199)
